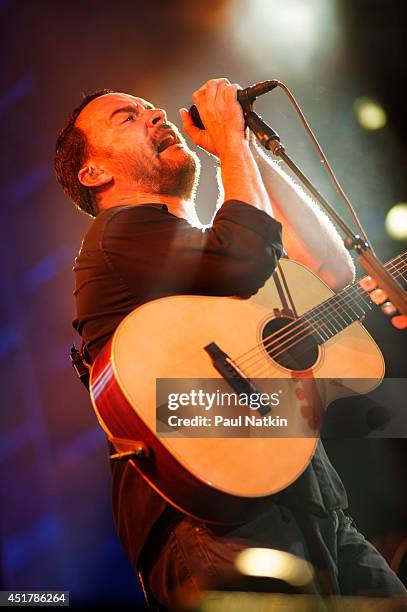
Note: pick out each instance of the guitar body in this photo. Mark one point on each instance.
(218, 479)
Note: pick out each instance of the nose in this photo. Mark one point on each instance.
(156, 116)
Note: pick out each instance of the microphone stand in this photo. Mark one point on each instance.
(368, 260)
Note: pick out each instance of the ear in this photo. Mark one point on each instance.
(94, 176)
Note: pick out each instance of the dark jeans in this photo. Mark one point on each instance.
(197, 556)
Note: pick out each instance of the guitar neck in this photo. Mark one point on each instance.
(349, 305)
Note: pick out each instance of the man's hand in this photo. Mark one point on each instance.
(221, 114)
(378, 296)
(226, 137)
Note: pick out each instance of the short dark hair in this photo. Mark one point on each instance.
(72, 150)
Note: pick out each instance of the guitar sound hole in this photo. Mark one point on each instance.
(291, 348)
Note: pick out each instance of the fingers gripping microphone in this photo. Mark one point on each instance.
(245, 97)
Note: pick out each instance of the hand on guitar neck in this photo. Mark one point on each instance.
(378, 296)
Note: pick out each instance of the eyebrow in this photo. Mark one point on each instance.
(130, 108)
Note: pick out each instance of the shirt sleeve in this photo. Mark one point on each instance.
(156, 253)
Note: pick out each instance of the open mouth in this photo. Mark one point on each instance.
(166, 142)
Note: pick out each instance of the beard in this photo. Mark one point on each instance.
(176, 175)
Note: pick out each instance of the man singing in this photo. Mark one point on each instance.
(124, 164)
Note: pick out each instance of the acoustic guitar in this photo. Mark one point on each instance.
(294, 327)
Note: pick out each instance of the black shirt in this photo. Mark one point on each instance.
(133, 254)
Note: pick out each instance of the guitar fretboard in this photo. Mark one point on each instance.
(350, 305)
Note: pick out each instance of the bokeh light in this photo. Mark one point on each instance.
(270, 563)
(396, 221)
(286, 35)
(370, 114)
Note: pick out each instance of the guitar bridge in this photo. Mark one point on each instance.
(233, 374)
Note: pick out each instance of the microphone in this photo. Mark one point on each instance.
(244, 96)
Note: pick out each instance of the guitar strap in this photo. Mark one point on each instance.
(81, 363)
(284, 292)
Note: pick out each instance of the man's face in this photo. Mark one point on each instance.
(134, 142)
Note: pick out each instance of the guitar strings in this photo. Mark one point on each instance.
(257, 373)
(285, 349)
(280, 345)
(340, 300)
